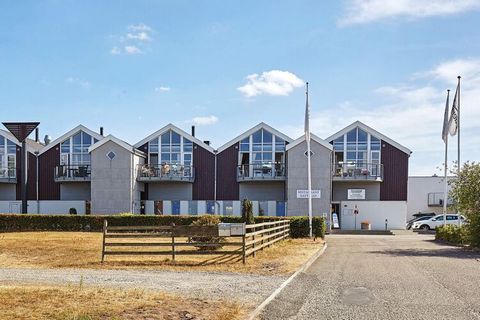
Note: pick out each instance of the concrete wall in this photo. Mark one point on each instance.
(263, 190)
(297, 179)
(340, 190)
(43, 206)
(113, 181)
(170, 191)
(418, 190)
(8, 191)
(375, 212)
(75, 191)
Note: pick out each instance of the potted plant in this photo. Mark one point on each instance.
(366, 225)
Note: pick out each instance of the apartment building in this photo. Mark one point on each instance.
(357, 173)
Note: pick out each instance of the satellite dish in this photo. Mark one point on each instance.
(47, 139)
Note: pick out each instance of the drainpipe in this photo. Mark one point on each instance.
(36, 182)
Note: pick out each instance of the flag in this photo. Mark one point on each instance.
(307, 117)
(453, 121)
(445, 120)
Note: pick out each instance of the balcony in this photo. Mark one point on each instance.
(8, 175)
(261, 172)
(72, 173)
(435, 199)
(165, 172)
(357, 171)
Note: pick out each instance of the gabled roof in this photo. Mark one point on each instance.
(68, 135)
(177, 130)
(314, 138)
(373, 132)
(119, 142)
(32, 146)
(261, 125)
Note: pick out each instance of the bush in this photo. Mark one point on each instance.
(72, 211)
(208, 220)
(36, 222)
(453, 234)
(247, 211)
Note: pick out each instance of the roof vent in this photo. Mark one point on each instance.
(47, 139)
(206, 142)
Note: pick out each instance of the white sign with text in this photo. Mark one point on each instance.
(303, 194)
(356, 194)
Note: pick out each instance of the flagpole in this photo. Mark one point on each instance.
(445, 192)
(309, 168)
(458, 147)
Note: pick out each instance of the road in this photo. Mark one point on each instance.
(384, 277)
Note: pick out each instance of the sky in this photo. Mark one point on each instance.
(224, 66)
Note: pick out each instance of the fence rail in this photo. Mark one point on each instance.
(152, 240)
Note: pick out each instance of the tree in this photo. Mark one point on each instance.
(465, 192)
(247, 211)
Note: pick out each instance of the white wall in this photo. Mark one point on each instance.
(375, 212)
(44, 206)
(418, 190)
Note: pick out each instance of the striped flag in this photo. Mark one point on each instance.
(445, 120)
(453, 121)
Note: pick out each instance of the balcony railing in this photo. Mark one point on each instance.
(8, 175)
(435, 199)
(261, 172)
(165, 172)
(345, 171)
(72, 173)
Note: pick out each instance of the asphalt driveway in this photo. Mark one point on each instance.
(384, 277)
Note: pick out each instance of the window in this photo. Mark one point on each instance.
(357, 147)
(74, 150)
(8, 156)
(174, 149)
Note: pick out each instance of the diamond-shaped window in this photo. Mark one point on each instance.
(111, 155)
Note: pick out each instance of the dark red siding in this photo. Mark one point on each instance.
(48, 188)
(227, 185)
(32, 176)
(395, 173)
(204, 166)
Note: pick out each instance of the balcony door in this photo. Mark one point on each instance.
(375, 163)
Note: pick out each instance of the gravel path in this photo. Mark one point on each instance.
(212, 285)
(384, 277)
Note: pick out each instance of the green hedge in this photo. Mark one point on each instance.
(452, 234)
(31, 222)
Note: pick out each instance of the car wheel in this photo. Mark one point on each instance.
(425, 227)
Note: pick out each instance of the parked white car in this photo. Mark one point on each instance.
(436, 221)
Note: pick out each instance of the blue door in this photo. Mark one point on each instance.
(281, 209)
(176, 207)
(211, 207)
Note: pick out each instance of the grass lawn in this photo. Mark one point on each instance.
(83, 250)
(80, 303)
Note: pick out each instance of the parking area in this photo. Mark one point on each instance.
(384, 277)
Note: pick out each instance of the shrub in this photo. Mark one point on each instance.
(453, 234)
(247, 211)
(72, 211)
(207, 220)
(36, 222)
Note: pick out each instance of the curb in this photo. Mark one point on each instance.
(274, 294)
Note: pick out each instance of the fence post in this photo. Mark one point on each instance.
(173, 241)
(263, 236)
(244, 258)
(253, 244)
(103, 241)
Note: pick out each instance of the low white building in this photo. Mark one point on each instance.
(426, 195)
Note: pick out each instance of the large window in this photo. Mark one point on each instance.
(356, 147)
(74, 150)
(171, 148)
(8, 155)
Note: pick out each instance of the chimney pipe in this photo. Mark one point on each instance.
(193, 131)
(206, 142)
(101, 131)
(36, 135)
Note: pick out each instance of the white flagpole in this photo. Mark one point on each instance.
(445, 193)
(309, 168)
(458, 147)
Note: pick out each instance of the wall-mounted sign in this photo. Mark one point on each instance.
(356, 194)
(303, 194)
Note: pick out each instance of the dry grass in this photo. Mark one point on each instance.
(83, 250)
(79, 303)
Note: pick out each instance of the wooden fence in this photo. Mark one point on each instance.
(182, 240)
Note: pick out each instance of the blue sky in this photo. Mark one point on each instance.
(136, 66)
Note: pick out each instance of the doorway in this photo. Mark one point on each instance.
(335, 216)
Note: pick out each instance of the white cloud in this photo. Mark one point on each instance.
(412, 115)
(365, 11)
(162, 89)
(139, 27)
(142, 36)
(134, 41)
(204, 121)
(115, 51)
(274, 82)
(132, 50)
(77, 81)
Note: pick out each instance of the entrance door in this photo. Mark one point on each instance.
(335, 219)
(176, 207)
(280, 209)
